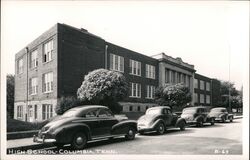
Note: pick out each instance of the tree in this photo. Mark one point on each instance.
(104, 87)
(175, 96)
(10, 95)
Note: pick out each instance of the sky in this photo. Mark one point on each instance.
(213, 36)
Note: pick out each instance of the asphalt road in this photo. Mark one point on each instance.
(221, 139)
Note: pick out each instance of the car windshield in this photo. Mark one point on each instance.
(218, 110)
(154, 111)
(189, 111)
(70, 113)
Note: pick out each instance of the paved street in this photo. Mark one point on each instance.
(222, 138)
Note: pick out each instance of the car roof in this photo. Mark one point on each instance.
(195, 107)
(219, 108)
(87, 107)
(159, 107)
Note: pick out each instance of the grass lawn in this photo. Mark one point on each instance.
(14, 125)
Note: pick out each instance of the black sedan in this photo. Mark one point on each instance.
(81, 124)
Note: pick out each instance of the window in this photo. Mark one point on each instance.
(202, 85)
(130, 108)
(167, 76)
(195, 98)
(173, 76)
(150, 91)
(116, 63)
(135, 90)
(182, 78)
(33, 86)
(48, 49)
(33, 59)
(48, 82)
(19, 111)
(20, 66)
(207, 86)
(104, 113)
(30, 111)
(35, 111)
(47, 111)
(138, 108)
(150, 71)
(195, 83)
(208, 99)
(188, 81)
(135, 67)
(201, 98)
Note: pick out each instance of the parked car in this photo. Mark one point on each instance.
(81, 124)
(221, 114)
(197, 115)
(159, 119)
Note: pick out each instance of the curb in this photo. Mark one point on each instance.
(21, 134)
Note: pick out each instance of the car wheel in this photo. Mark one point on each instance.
(212, 121)
(223, 119)
(58, 145)
(199, 123)
(160, 128)
(130, 134)
(79, 141)
(231, 119)
(182, 126)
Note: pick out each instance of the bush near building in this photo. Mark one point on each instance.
(175, 96)
(10, 95)
(14, 125)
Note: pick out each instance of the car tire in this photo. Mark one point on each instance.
(130, 134)
(212, 121)
(79, 141)
(182, 126)
(231, 119)
(160, 128)
(200, 123)
(58, 145)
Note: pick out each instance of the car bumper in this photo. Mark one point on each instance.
(145, 129)
(189, 122)
(43, 138)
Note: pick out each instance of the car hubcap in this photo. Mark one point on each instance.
(79, 140)
(130, 133)
(160, 128)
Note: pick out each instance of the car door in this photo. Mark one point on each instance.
(106, 121)
(169, 117)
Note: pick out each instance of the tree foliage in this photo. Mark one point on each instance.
(103, 87)
(10, 95)
(173, 95)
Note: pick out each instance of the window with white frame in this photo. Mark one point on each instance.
(47, 111)
(116, 63)
(135, 90)
(47, 51)
(208, 99)
(35, 111)
(33, 86)
(48, 82)
(19, 111)
(195, 83)
(150, 91)
(20, 66)
(135, 67)
(202, 85)
(150, 71)
(33, 59)
(201, 98)
(207, 86)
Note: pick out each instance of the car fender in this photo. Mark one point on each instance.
(230, 115)
(222, 115)
(65, 133)
(157, 122)
(179, 121)
(122, 126)
(198, 118)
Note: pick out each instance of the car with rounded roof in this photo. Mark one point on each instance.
(159, 119)
(221, 114)
(82, 124)
(197, 115)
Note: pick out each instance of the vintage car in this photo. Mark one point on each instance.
(197, 115)
(221, 114)
(81, 124)
(159, 119)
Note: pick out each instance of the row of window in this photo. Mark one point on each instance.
(135, 91)
(202, 85)
(32, 112)
(117, 64)
(33, 57)
(202, 98)
(177, 77)
(47, 84)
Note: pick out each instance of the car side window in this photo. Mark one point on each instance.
(164, 111)
(104, 113)
(169, 112)
(91, 114)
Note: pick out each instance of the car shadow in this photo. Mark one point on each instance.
(206, 126)
(169, 132)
